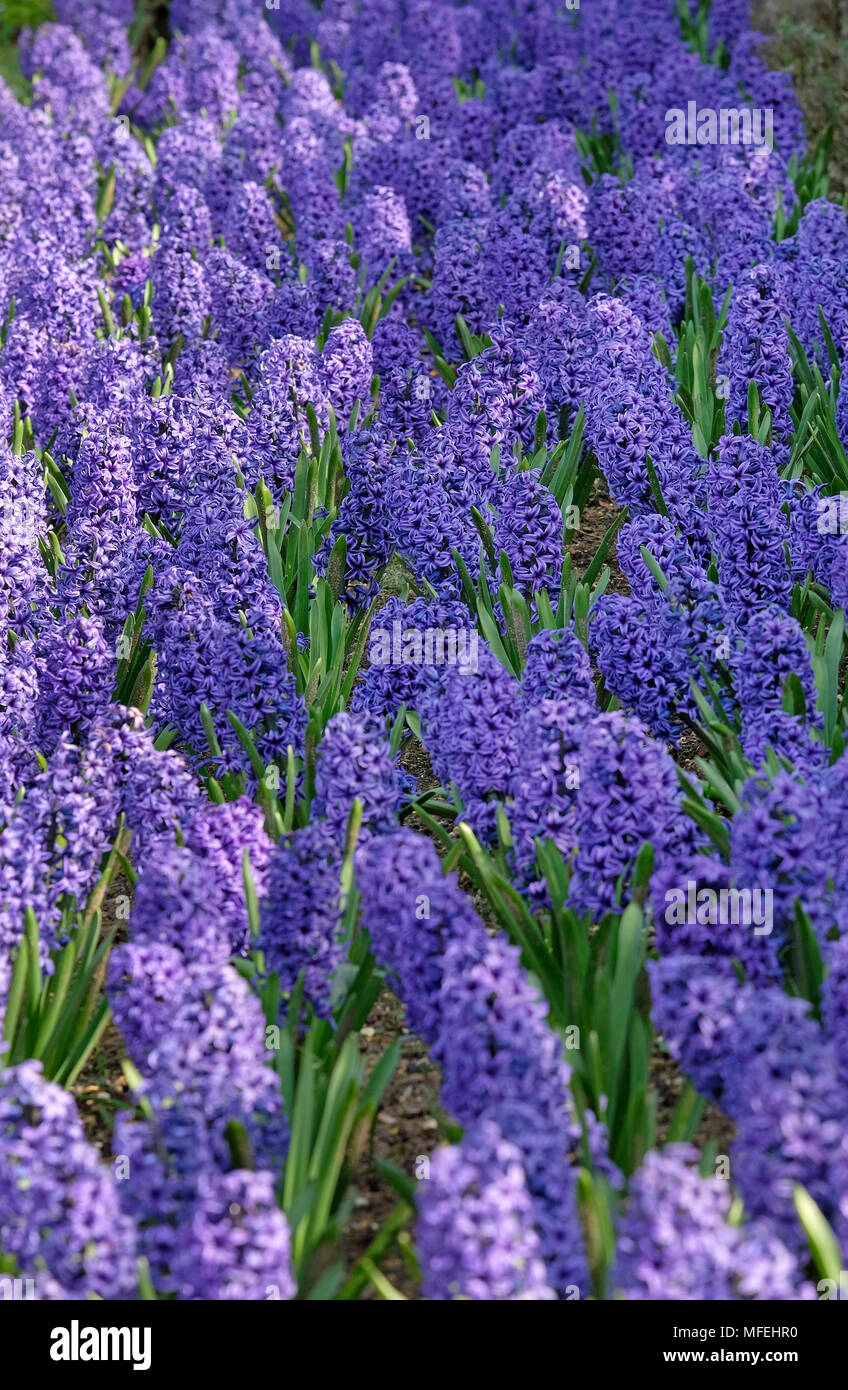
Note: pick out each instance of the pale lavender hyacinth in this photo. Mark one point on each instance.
(59, 1214)
(675, 1241)
(475, 1228)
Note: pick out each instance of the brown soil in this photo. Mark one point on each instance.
(406, 1131)
(595, 520)
(102, 1089)
(714, 1125)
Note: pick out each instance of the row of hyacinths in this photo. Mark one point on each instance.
(318, 318)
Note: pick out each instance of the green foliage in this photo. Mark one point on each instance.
(58, 1017)
(23, 14)
(698, 347)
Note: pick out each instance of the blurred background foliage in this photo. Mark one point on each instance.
(14, 16)
(810, 40)
(17, 14)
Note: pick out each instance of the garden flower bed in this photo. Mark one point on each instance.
(424, 492)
